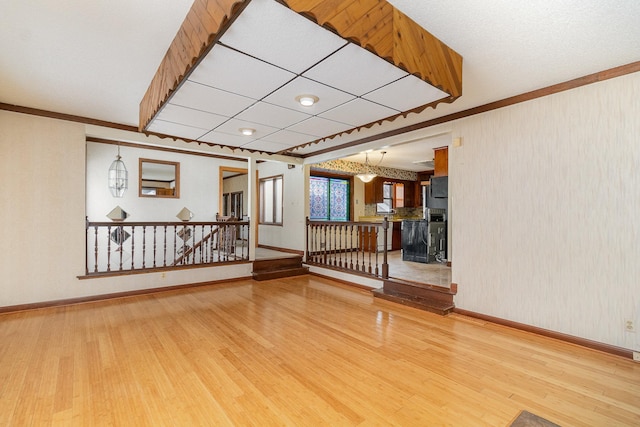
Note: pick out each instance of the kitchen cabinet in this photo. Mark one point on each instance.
(441, 161)
(374, 192)
(410, 194)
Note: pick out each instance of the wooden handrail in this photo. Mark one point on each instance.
(128, 247)
(348, 246)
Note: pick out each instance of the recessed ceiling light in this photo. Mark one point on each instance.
(307, 100)
(247, 131)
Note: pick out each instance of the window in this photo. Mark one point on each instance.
(392, 197)
(329, 198)
(271, 200)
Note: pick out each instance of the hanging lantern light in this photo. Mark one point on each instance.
(118, 177)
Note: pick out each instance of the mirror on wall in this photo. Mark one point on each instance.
(159, 178)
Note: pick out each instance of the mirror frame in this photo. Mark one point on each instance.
(176, 193)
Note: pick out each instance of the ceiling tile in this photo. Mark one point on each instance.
(319, 127)
(227, 69)
(258, 32)
(235, 140)
(205, 98)
(329, 97)
(355, 70)
(288, 138)
(359, 112)
(272, 115)
(189, 117)
(270, 147)
(406, 94)
(233, 126)
(169, 128)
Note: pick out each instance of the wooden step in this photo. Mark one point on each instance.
(276, 268)
(435, 299)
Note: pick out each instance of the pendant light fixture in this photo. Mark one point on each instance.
(118, 176)
(369, 174)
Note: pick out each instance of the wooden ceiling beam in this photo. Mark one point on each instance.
(205, 22)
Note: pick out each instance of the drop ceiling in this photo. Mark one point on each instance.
(271, 55)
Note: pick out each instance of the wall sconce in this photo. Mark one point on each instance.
(118, 177)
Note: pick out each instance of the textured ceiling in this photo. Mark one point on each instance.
(96, 59)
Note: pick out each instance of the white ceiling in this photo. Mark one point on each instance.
(96, 59)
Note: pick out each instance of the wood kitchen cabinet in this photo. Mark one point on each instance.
(441, 161)
(373, 191)
(409, 194)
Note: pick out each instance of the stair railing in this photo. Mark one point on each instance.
(355, 247)
(125, 247)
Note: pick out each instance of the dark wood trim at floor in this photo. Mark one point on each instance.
(594, 345)
(93, 298)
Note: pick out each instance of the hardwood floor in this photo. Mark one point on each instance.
(299, 351)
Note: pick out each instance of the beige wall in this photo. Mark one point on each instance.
(42, 215)
(545, 199)
(42, 219)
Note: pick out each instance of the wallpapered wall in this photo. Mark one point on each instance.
(545, 199)
(353, 168)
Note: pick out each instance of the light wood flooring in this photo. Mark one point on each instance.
(300, 351)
